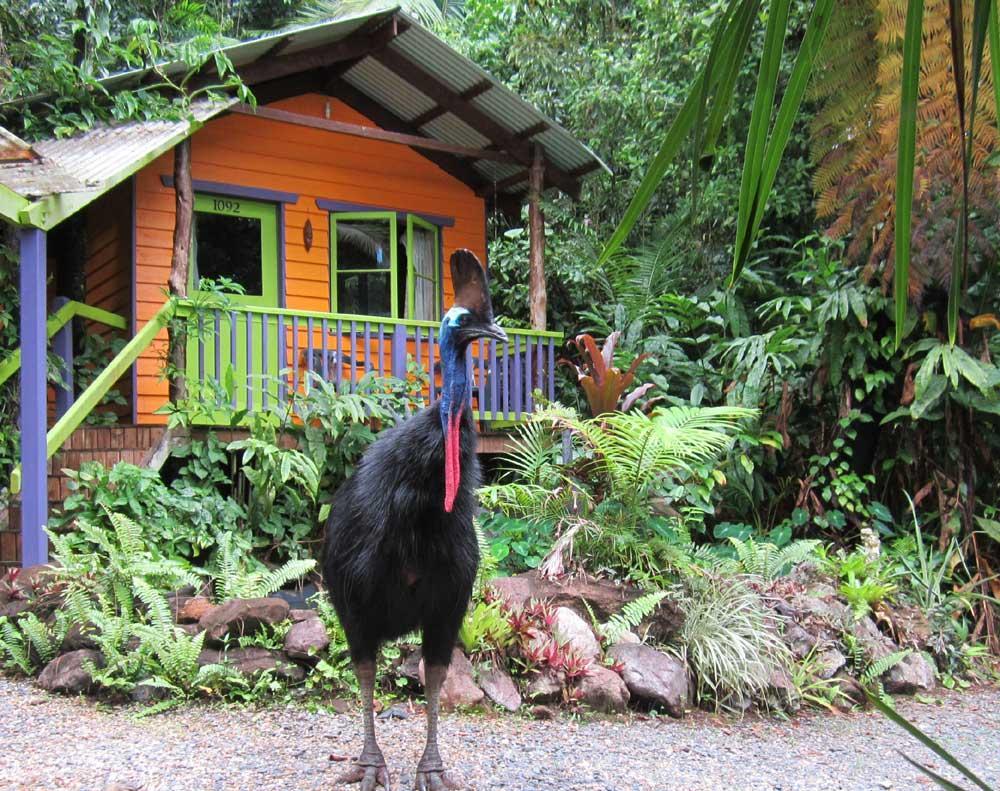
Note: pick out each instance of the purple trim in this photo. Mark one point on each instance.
(399, 351)
(265, 349)
(552, 370)
(236, 190)
(233, 329)
(494, 373)
(282, 362)
(328, 204)
(354, 354)
(218, 346)
(528, 400)
(34, 401)
(518, 381)
(282, 284)
(135, 309)
(506, 380)
(62, 347)
(381, 350)
(440, 274)
(295, 354)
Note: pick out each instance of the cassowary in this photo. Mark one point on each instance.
(401, 552)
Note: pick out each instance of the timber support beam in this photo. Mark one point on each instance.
(537, 296)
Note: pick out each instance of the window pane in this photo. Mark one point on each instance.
(363, 244)
(229, 247)
(424, 268)
(424, 299)
(365, 293)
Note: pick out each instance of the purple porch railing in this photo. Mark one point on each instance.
(272, 352)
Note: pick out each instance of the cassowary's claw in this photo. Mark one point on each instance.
(370, 777)
(437, 780)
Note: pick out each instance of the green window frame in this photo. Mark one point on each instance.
(267, 214)
(393, 218)
(415, 222)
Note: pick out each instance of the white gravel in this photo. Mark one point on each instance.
(53, 743)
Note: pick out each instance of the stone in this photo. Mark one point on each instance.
(500, 688)
(254, 660)
(653, 677)
(851, 693)
(910, 626)
(78, 637)
(299, 598)
(14, 608)
(209, 656)
(67, 673)
(301, 615)
(602, 689)
(194, 609)
(341, 706)
(306, 639)
(176, 602)
(459, 688)
(605, 598)
(781, 692)
(410, 667)
(148, 693)
(570, 629)
(829, 662)
(629, 638)
(190, 629)
(34, 580)
(798, 640)
(543, 712)
(242, 617)
(912, 675)
(545, 687)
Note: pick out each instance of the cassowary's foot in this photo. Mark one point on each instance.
(431, 776)
(370, 776)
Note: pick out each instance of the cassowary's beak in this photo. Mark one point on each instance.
(472, 331)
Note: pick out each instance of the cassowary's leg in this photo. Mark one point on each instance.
(370, 769)
(431, 775)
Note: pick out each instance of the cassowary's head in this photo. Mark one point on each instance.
(471, 317)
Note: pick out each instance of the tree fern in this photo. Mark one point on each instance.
(630, 616)
(855, 136)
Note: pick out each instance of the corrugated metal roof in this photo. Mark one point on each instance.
(90, 163)
(87, 165)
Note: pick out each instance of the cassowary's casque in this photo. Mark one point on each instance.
(401, 552)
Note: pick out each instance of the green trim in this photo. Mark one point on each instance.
(56, 322)
(334, 264)
(389, 322)
(92, 396)
(413, 221)
(11, 204)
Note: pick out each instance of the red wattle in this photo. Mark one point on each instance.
(452, 462)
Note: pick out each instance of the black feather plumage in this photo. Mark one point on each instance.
(395, 560)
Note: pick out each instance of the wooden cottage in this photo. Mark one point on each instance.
(375, 151)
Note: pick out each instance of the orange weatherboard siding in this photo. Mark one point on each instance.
(265, 154)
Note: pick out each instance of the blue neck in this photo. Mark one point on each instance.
(455, 384)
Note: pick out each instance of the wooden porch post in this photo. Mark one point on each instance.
(179, 264)
(34, 400)
(536, 230)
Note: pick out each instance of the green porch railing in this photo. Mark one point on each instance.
(91, 397)
(69, 311)
(266, 353)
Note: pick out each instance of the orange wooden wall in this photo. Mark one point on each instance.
(106, 269)
(255, 152)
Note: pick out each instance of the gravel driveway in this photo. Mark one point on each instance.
(58, 743)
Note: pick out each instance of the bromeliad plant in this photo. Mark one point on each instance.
(601, 380)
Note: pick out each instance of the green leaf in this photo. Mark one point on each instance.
(763, 168)
(926, 740)
(728, 28)
(905, 155)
